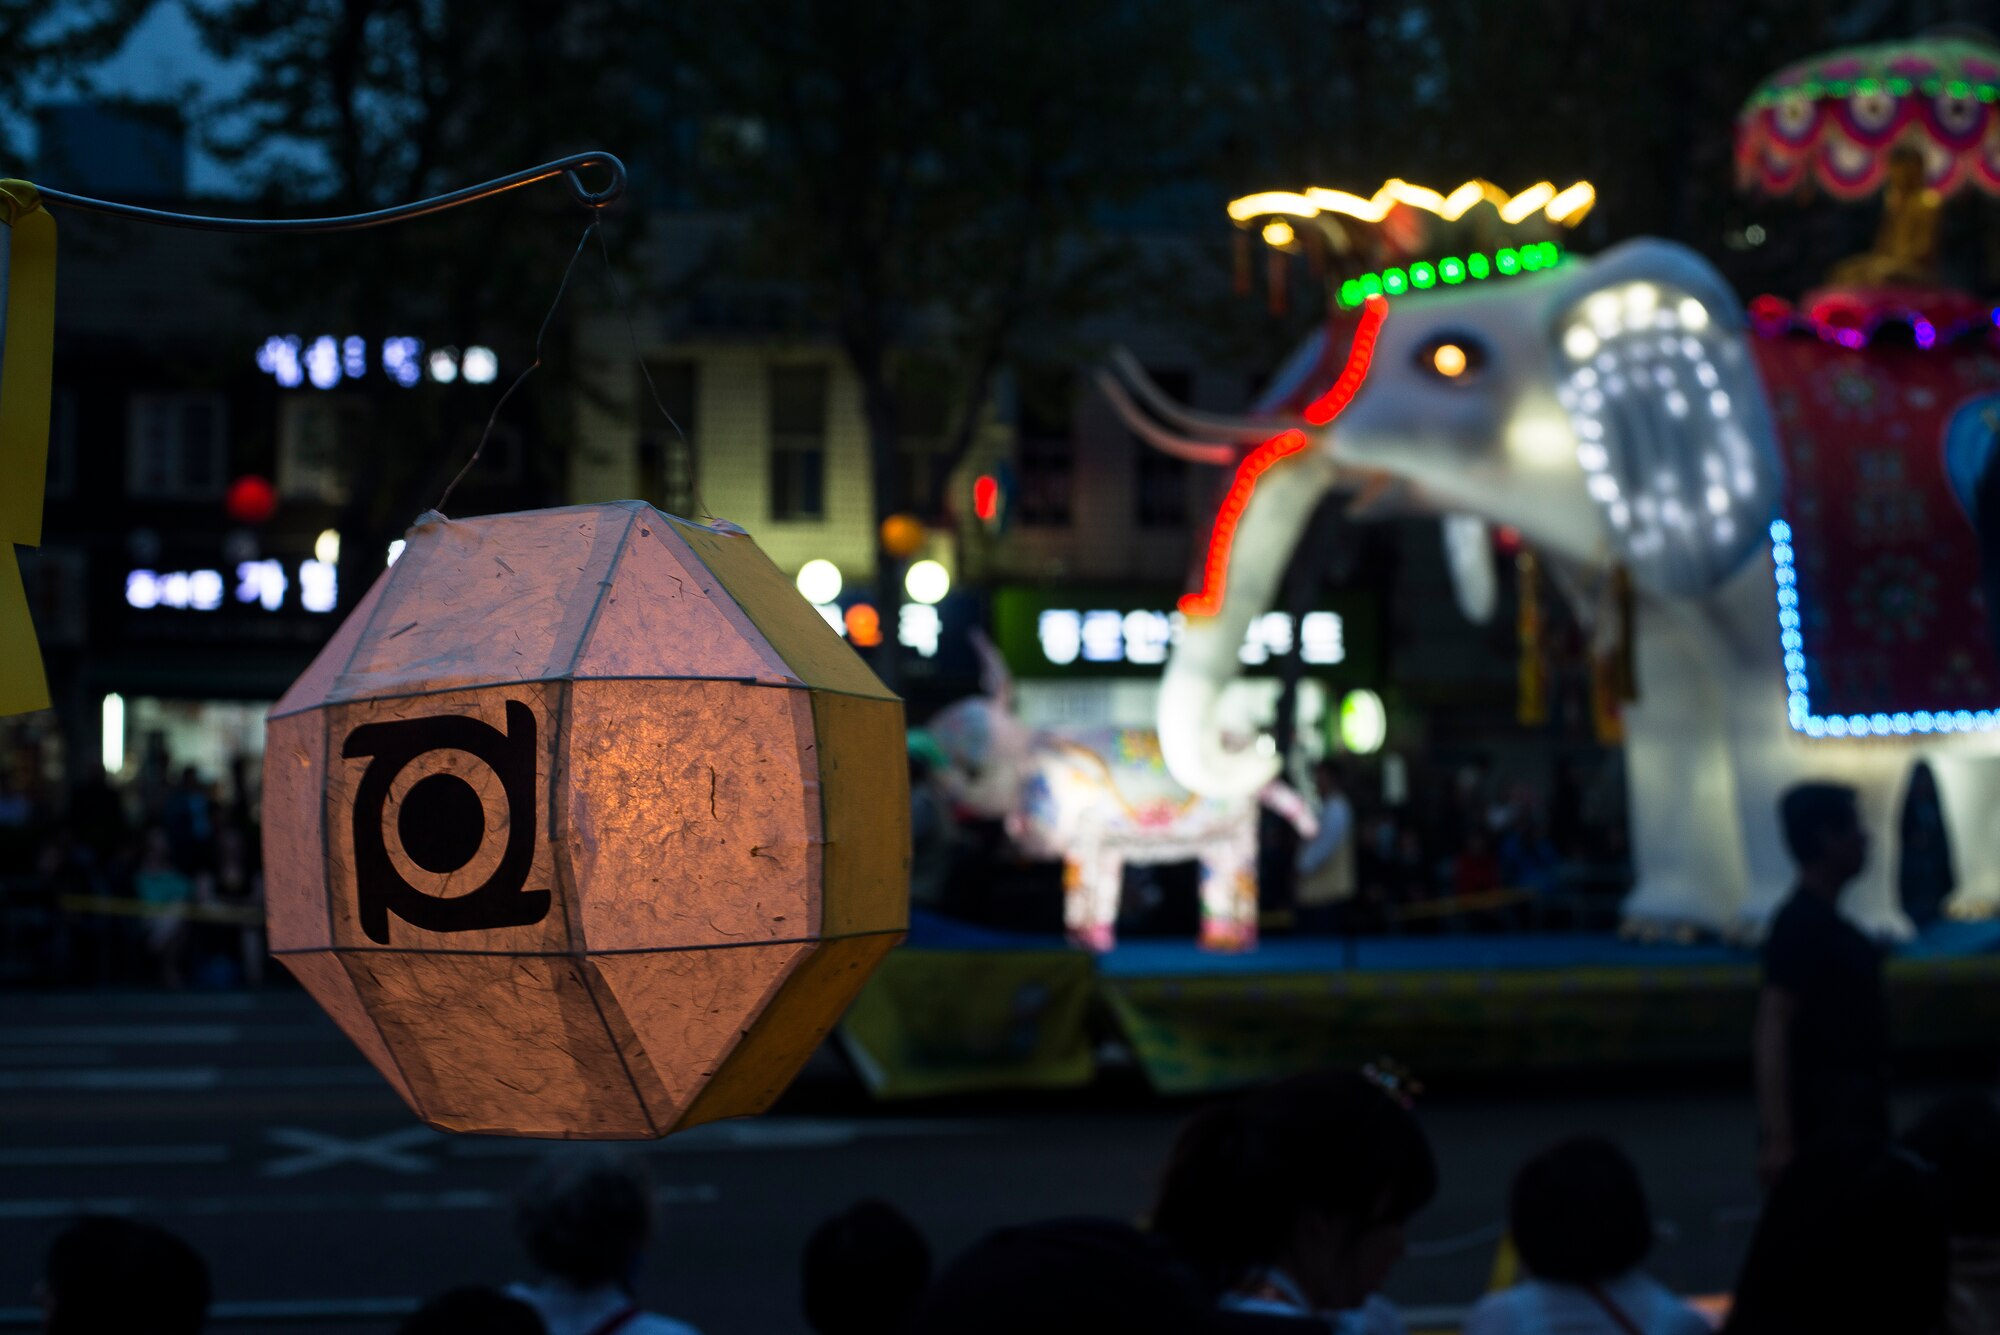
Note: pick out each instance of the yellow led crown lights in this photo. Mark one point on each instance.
(1565, 208)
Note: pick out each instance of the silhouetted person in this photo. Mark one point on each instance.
(1960, 1139)
(1580, 1223)
(1851, 1239)
(584, 1218)
(1822, 1038)
(863, 1271)
(111, 1276)
(1065, 1277)
(1326, 863)
(1292, 1200)
(474, 1310)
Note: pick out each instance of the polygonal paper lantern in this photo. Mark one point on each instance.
(585, 824)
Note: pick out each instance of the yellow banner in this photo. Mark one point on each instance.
(26, 361)
(26, 367)
(22, 685)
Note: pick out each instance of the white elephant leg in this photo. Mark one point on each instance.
(1968, 781)
(1229, 890)
(1687, 850)
(1092, 878)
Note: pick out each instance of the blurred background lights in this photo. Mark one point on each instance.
(401, 358)
(279, 357)
(927, 581)
(819, 581)
(326, 547)
(396, 550)
(443, 366)
(112, 733)
(481, 365)
(322, 362)
(864, 625)
(1364, 723)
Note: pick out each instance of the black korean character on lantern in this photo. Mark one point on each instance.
(441, 824)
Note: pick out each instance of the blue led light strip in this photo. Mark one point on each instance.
(1798, 706)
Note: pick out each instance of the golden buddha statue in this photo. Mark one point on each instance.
(1905, 249)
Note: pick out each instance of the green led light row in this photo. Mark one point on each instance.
(1896, 87)
(1450, 271)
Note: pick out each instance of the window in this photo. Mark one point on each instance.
(176, 447)
(1161, 496)
(798, 442)
(666, 461)
(1046, 448)
(62, 444)
(317, 434)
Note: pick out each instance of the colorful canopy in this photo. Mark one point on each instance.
(1834, 119)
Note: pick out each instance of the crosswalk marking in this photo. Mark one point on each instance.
(393, 1150)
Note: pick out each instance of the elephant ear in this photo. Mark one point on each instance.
(1673, 432)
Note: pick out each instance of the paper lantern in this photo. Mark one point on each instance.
(585, 824)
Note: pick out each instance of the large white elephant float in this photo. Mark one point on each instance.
(1099, 799)
(1612, 411)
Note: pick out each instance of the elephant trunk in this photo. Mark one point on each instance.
(1206, 659)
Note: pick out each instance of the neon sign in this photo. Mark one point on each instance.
(264, 584)
(326, 361)
(1144, 638)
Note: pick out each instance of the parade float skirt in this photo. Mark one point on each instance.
(960, 1009)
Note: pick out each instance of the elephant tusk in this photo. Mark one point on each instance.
(1194, 451)
(1241, 431)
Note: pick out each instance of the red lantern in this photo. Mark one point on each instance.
(251, 500)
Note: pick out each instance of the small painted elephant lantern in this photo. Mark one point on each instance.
(584, 824)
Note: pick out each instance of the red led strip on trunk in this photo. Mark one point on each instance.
(1215, 569)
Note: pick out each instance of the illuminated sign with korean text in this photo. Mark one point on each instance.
(265, 584)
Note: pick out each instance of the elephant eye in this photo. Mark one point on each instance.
(1454, 357)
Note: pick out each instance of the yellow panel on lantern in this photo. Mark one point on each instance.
(591, 854)
(866, 877)
(790, 624)
(793, 1023)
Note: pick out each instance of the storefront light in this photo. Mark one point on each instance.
(113, 740)
(1364, 723)
(927, 582)
(319, 586)
(919, 627)
(480, 365)
(819, 581)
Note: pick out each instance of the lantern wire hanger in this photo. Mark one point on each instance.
(567, 168)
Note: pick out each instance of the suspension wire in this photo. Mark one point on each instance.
(487, 435)
(632, 333)
(564, 167)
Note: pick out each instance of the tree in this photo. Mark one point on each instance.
(358, 104)
(44, 47)
(937, 178)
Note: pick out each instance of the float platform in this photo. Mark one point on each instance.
(961, 1008)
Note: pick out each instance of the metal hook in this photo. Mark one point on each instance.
(565, 167)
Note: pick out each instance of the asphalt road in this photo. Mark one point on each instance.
(246, 1123)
